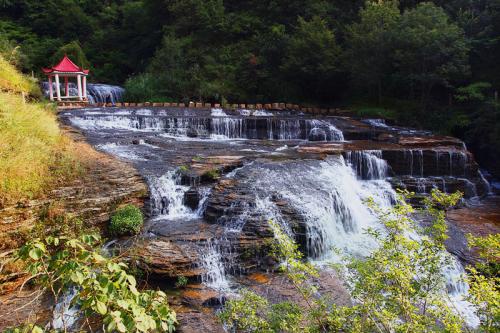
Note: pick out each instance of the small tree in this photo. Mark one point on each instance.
(398, 288)
(74, 51)
(127, 220)
(103, 287)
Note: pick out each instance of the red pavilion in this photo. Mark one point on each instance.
(66, 69)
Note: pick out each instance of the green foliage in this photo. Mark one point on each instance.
(418, 50)
(30, 137)
(371, 46)
(28, 328)
(104, 288)
(182, 281)
(482, 133)
(311, 58)
(211, 174)
(484, 281)
(472, 92)
(127, 220)
(430, 50)
(12, 80)
(11, 52)
(399, 287)
(74, 51)
(140, 88)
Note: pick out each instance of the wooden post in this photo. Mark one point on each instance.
(79, 82)
(58, 89)
(51, 89)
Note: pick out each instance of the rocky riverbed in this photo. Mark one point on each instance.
(215, 177)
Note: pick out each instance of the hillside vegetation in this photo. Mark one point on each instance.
(34, 155)
(429, 64)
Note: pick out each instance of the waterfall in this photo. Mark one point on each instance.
(415, 160)
(96, 92)
(217, 127)
(262, 113)
(458, 290)
(211, 261)
(228, 128)
(104, 93)
(218, 112)
(331, 133)
(319, 202)
(328, 196)
(368, 164)
(376, 122)
(65, 314)
(167, 196)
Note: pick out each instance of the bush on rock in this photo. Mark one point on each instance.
(126, 220)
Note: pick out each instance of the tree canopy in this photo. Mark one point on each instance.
(411, 57)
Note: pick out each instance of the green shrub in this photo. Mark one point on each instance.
(211, 174)
(126, 220)
(182, 281)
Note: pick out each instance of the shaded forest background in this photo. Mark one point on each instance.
(427, 64)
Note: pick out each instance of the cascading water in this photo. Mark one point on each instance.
(167, 197)
(368, 165)
(65, 314)
(319, 201)
(211, 261)
(96, 92)
(104, 93)
(330, 197)
(218, 127)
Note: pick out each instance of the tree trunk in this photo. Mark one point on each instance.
(379, 87)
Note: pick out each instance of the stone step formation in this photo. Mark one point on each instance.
(216, 176)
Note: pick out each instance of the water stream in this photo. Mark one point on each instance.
(322, 195)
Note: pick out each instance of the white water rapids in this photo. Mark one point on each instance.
(328, 195)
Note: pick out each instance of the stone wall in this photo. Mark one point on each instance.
(198, 105)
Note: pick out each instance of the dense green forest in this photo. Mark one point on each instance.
(428, 64)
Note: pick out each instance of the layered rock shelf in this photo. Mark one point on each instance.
(216, 177)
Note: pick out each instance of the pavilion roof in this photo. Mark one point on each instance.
(65, 66)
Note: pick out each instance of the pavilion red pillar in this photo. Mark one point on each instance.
(51, 92)
(66, 85)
